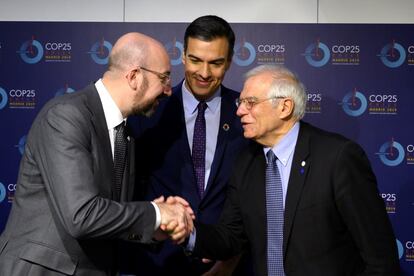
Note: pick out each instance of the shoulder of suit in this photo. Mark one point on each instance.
(231, 92)
(71, 103)
(325, 137)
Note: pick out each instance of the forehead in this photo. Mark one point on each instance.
(209, 50)
(159, 61)
(257, 86)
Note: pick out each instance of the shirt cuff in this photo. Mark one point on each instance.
(157, 215)
(191, 241)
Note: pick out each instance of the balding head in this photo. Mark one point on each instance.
(131, 50)
(135, 78)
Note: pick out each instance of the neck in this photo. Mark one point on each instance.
(275, 136)
(112, 87)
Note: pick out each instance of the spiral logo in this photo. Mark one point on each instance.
(400, 249)
(31, 51)
(317, 54)
(354, 103)
(21, 145)
(100, 52)
(2, 192)
(391, 153)
(175, 50)
(244, 54)
(393, 55)
(64, 90)
(3, 98)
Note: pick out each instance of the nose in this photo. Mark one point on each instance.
(205, 71)
(241, 110)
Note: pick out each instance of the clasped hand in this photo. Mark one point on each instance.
(176, 219)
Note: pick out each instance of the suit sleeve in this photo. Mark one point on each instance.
(227, 238)
(364, 212)
(62, 151)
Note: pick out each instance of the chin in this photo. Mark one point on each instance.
(247, 135)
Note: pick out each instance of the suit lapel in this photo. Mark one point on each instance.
(227, 129)
(188, 171)
(101, 129)
(256, 195)
(300, 168)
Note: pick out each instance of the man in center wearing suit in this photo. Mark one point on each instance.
(168, 139)
(304, 200)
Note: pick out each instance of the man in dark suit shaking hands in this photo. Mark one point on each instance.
(304, 200)
(77, 173)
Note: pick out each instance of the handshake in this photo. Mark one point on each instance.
(176, 219)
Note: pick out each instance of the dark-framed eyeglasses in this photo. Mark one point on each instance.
(164, 78)
(249, 102)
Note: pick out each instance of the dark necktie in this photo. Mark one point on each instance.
(274, 211)
(199, 148)
(120, 152)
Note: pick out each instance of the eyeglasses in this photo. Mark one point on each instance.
(164, 78)
(252, 101)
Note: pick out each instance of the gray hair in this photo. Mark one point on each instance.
(285, 84)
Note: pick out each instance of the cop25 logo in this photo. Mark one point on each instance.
(3, 98)
(2, 192)
(354, 103)
(244, 53)
(64, 90)
(175, 50)
(31, 51)
(400, 249)
(100, 52)
(391, 153)
(393, 55)
(22, 144)
(317, 54)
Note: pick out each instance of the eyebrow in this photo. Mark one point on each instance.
(221, 59)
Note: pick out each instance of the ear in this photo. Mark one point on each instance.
(287, 107)
(183, 58)
(133, 77)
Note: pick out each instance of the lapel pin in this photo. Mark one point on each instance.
(302, 170)
(226, 127)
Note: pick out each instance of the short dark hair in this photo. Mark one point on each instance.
(208, 28)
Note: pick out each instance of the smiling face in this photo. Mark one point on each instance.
(205, 63)
(153, 85)
(267, 120)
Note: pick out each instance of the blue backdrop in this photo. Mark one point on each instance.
(359, 81)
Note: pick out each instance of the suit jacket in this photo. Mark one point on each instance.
(335, 221)
(63, 221)
(167, 158)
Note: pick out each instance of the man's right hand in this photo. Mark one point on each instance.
(176, 218)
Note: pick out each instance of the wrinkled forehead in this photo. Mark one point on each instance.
(256, 86)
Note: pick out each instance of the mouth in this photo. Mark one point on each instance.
(202, 83)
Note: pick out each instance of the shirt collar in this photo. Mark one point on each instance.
(285, 148)
(113, 115)
(190, 102)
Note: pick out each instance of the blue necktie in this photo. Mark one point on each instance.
(120, 152)
(274, 211)
(199, 148)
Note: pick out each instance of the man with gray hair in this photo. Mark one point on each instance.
(304, 200)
